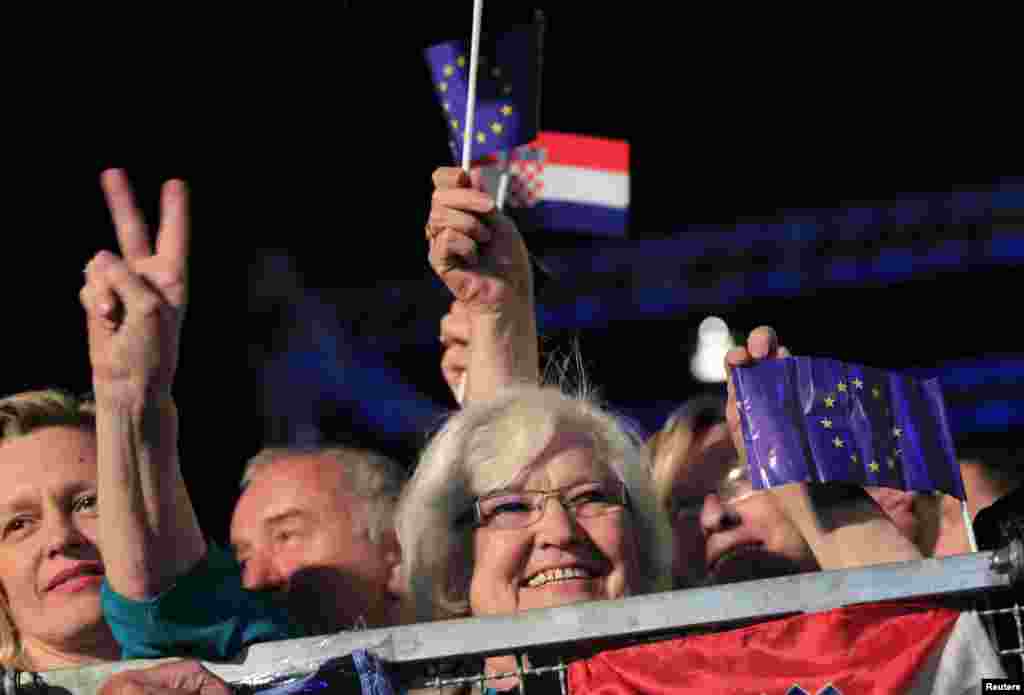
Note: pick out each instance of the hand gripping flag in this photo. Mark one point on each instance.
(566, 182)
(818, 420)
(507, 89)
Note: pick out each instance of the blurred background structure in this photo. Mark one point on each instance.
(857, 192)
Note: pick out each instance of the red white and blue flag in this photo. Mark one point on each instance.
(566, 181)
(876, 648)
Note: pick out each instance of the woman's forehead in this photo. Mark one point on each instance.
(53, 456)
(567, 460)
(564, 450)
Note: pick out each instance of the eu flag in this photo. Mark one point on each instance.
(809, 419)
(507, 89)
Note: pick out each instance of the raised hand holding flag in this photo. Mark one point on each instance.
(500, 111)
(820, 420)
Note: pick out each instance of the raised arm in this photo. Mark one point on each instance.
(491, 333)
(842, 524)
(135, 304)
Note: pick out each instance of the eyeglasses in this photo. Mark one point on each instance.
(514, 509)
(734, 486)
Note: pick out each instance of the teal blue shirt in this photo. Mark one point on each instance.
(207, 614)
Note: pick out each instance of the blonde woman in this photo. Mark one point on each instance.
(160, 575)
(50, 563)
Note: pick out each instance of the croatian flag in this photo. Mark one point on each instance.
(566, 182)
(868, 649)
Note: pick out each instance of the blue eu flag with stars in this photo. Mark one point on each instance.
(507, 90)
(819, 420)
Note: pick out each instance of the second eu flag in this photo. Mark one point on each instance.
(819, 420)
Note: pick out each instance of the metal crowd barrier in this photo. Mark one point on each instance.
(424, 653)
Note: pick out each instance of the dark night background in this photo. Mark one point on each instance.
(313, 137)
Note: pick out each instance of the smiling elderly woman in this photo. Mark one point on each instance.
(531, 500)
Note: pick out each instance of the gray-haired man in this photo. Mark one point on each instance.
(315, 525)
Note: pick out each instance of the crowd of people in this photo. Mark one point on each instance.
(528, 496)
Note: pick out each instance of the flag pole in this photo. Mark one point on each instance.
(474, 57)
(972, 542)
(499, 199)
(969, 527)
(467, 137)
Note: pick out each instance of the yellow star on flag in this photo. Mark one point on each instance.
(897, 432)
(461, 61)
(443, 87)
(447, 106)
(496, 128)
(857, 383)
(480, 137)
(873, 466)
(892, 463)
(826, 423)
(841, 387)
(838, 443)
(854, 458)
(448, 70)
(506, 110)
(830, 402)
(455, 123)
(876, 392)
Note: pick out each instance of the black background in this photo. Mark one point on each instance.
(315, 132)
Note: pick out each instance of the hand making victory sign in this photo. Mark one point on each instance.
(136, 302)
(135, 305)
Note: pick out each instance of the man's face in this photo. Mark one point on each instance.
(724, 530)
(298, 530)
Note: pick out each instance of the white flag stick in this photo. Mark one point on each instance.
(499, 199)
(969, 527)
(467, 134)
(474, 56)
